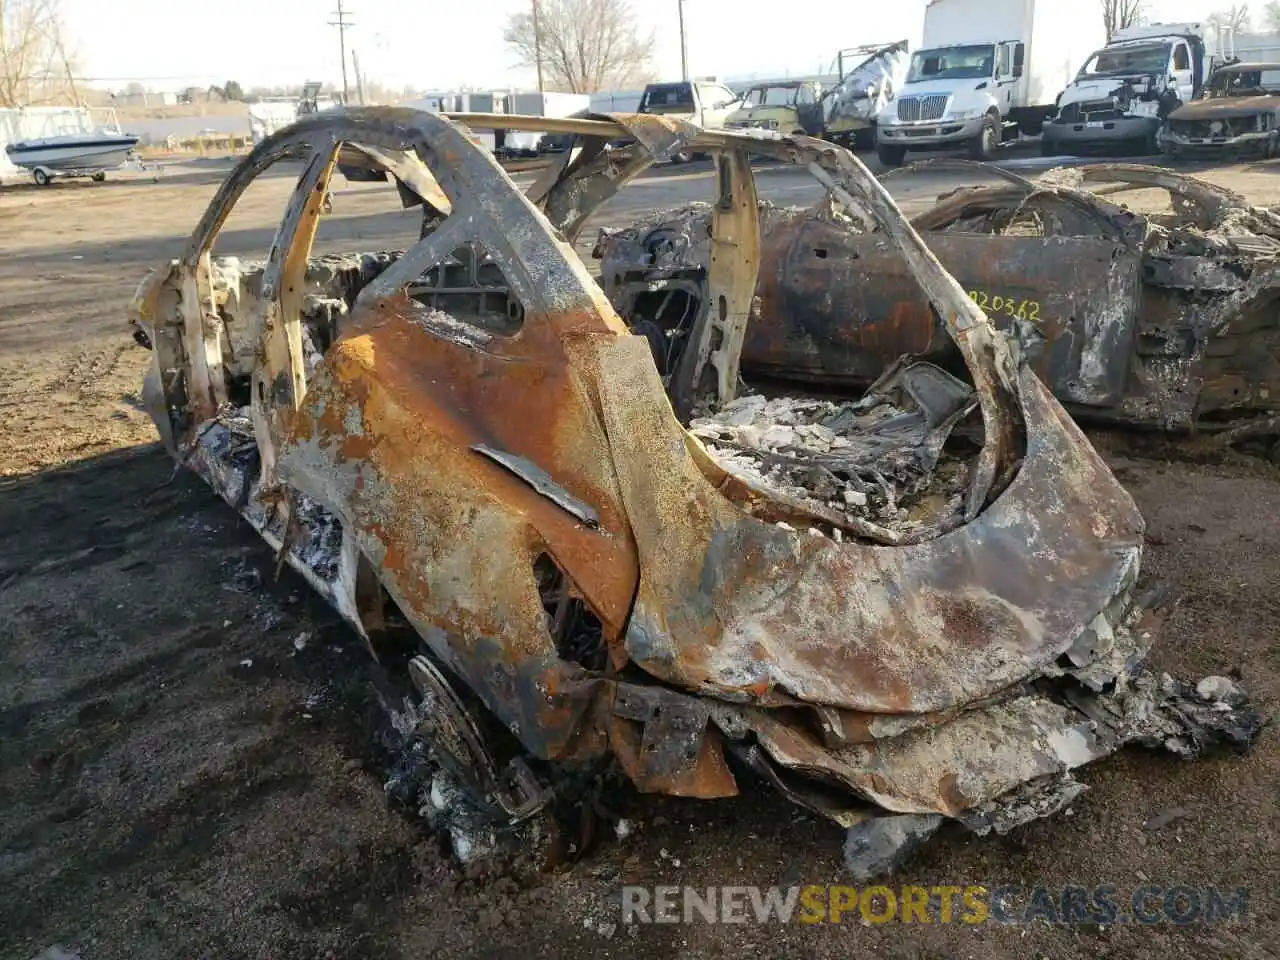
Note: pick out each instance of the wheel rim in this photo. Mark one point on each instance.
(448, 726)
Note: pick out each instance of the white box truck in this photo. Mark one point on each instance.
(1125, 89)
(987, 70)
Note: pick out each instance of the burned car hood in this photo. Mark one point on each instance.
(1224, 107)
(1102, 87)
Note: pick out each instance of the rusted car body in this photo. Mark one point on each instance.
(1167, 322)
(466, 435)
(1237, 116)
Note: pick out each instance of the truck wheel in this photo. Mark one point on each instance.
(891, 156)
(684, 156)
(983, 146)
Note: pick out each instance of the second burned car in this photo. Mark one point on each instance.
(1237, 116)
(1162, 321)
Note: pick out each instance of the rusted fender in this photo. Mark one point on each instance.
(386, 438)
(386, 434)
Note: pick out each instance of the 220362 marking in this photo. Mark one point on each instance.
(1010, 306)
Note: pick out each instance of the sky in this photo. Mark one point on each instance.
(443, 44)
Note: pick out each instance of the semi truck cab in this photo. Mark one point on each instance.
(960, 95)
(986, 71)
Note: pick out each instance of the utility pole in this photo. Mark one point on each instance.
(355, 65)
(684, 53)
(537, 45)
(342, 23)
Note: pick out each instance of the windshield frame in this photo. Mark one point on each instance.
(985, 51)
(691, 102)
(1137, 47)
(792, 91)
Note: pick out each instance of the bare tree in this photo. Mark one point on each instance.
(586, 45)
(1271, 16)
(35, 66)
(1118, 14)
(1229, 22)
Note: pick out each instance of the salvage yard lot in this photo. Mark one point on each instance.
(186, 760)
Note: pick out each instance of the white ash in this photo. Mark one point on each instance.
(858, 461)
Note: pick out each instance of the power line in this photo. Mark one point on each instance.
(342, 23)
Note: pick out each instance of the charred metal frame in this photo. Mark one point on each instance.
(486, 481)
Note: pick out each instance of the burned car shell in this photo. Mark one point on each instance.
(1166, 323)
(1223, 123)
(487, 471)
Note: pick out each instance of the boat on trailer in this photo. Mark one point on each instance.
(72, 154)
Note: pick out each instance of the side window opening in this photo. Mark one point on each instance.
(471, 288)
(467, 286)
(237, 260)
(1181, 60)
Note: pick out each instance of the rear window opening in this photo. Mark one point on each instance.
(666, 96)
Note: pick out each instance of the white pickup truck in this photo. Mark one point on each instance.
(706, 103)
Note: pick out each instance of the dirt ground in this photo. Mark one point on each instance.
(187, 766)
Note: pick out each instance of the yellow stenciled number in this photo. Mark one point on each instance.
(1022, 309)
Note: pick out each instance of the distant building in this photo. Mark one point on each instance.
(145, 98)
